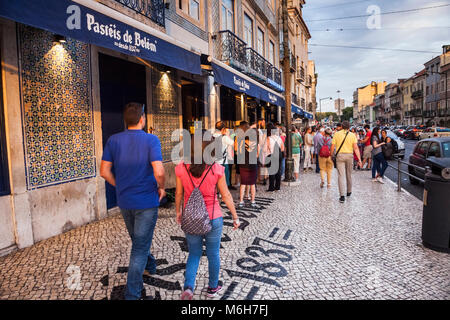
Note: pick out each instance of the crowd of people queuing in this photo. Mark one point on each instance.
(199, 185)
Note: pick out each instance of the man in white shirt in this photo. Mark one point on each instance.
(226, 158)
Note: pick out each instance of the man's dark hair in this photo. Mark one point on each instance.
(339, 124)
(366, 126)
(220, 125)
(345, 125)
(132, 113)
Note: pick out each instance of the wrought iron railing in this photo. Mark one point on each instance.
(152, 9)
(301, 74)
(417, 94)
(256, 63)
(231, 49)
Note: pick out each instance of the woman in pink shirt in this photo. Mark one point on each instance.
(208, 178)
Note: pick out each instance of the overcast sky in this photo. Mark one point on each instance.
(347, 69)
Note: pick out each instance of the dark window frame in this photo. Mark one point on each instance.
(5, 188)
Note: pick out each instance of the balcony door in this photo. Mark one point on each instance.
(227, 15)
(248, 30)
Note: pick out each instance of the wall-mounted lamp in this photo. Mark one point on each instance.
(59, 39)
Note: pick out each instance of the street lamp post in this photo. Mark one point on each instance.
(320, 104)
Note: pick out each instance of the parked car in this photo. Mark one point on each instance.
(434, 132)
(400, 130)
(434, 152)
(414, 132)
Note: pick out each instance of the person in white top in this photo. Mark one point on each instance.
(275, 151)
(227, 155)
(308, 146)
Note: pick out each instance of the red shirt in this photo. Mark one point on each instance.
(368, 134)
(208, 187)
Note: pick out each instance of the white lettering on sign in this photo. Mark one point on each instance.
(272, 98)
(102, 29)
(74, 20)
(241, 83)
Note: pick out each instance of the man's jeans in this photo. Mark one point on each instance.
(317, 163)
(195, 244)
(140, 225)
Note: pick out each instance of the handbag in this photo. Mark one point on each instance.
(335, 157)
(195, 218)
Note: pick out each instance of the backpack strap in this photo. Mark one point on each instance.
(189, 175)
(209, 169)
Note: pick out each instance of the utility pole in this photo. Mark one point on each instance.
(289, 170)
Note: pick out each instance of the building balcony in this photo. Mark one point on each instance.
(300, 74)
(417, 94)
(308, 81)
(152, 9)
(229, 48)
(292, 59)
(442, 112)
(395, 105)
(429, 113)
(232, 50)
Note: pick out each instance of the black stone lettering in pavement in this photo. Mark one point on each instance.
(162, 283)
(244, 223)
(274, 232)
(229, 290)
(254, 277)
(171, 270)
(251, 294)
(288, 233)
(105, 280)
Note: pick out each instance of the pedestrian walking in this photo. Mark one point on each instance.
(379, 164)
(308, 145)
(325, 162)
(227, 156)
(139, 180)
(203, 179)
(247, 154)
(367, 152)
(297, 143)
(345, 143)
(275, 151)
(318, 136)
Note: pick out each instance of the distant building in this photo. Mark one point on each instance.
(364, 96)
(339, 105)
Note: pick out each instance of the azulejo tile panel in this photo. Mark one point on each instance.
(57, 110)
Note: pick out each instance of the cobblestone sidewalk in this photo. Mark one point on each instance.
(300, 244)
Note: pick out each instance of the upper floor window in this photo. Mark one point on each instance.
(227, 15)
(260, 44)
(272, 53)
(192, 10)
(248, 30)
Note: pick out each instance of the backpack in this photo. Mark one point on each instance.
(325, 150)
(195, 219)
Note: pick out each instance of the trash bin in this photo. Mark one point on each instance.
(436, 213)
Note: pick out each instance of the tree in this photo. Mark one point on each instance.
(347, 113)
(326, 115)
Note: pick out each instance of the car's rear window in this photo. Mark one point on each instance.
(443, 130)
(446, 149)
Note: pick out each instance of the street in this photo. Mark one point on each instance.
(415, 190)
(300, 243)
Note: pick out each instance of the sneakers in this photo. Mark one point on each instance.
(374, 180)
(322, 184)
(254, 205)
(212, 292)
(349, 194)
(342, 199)
(380, 180)
(241, 205)
(187, 294)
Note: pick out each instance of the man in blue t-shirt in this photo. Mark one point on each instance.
(139, 180)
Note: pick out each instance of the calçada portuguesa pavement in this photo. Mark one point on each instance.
(300, 244)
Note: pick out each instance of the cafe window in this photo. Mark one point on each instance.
(248, 30)
(260, 40)
(194, 9)
(227, 15)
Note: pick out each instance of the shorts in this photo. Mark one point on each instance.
(367, 154)
(296, 157)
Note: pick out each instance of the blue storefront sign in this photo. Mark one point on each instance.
(70, 19)
(238, 83)
(297, 110)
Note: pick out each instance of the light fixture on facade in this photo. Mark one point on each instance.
(59, 39)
